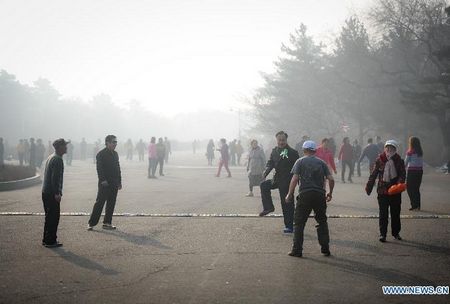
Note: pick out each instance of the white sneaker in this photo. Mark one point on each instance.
(250, 194)
(90, 228)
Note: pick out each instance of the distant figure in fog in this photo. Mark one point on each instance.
(83, 149)
(332, 146)
(32, 153)
(40, 153)
(346, 158)
(95, 151)
(379, 144)
(371, 152)
(224, 157)
(21, 152)
(356, 155)
(255, 166)
(140, 147)
(27, 151)
(69, 156)
(324, 153)
(152, 158)
(129, 149)
(161, 154)
(233, 151)
(109, 183)
(2, 152)
(239, 152)
(210, 152)
(168, 149)
(49, 148)
(299, 145)
(194, 146)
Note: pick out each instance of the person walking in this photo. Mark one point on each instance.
(40, 153)
(232, 148)
(224, 157)
(140, 147)
(239, 152)
(325, 154)
(210, 152)
(282, 159)
(370, 151)
(52, 193)
(160, 154)
(414, 171)
(356, 155)
(69, 156)
(32, 153)
(255, 166)
(310, 173)
(109, 183)
(168, 149)
(390, 170)
(152, 158)
(21, 152)
(83, 149)
(346, 158)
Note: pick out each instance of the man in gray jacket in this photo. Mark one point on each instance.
(52, 193)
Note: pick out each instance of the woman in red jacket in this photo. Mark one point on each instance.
(325, 154)
(390, 170)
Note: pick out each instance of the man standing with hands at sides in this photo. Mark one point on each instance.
(52, 193)
(282, 159)
(109, 182)
(311, 172)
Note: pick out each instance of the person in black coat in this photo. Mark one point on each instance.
(109, 183)
(282, 159)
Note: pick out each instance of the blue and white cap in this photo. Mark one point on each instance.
(309, 145)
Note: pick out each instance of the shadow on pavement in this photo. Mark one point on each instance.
(135, 239)
(84, 262)
(357, 245)
(424, 247)
(389, 275)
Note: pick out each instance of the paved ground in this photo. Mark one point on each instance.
(214, 260)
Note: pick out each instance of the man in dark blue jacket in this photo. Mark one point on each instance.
(109, 183)
(282, 159)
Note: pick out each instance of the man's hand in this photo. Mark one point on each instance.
(58, 198)
(329, 197)
(120, 187)
(289, 198)
(104, 183)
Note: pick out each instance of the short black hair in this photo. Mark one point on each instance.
(370, 140)
(281, 133)
(109, 138)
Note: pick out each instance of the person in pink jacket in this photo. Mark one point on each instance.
(152, 158)
(325, 154)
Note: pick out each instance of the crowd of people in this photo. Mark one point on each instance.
(307, 165)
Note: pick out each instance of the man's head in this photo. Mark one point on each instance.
(378, 139)
(153, 140)
(60, 146)
(111, 142)
(305, 137)
(355, 142)
(281, 139)
(325, 142)
(309, 147)
(223, 140)
(346, 140)
(254, 143)
(160, 140)
(32, 140)
(370, 141)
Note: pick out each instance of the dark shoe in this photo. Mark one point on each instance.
(90, 228)
(343, 181)
(325, 251)
(382, 239)
(412, 209)
(288, 230)
(162, 174)
(109, 227)
(54, 245)
(296, 254)
(266, 212)
(398, 237)
(350, 180)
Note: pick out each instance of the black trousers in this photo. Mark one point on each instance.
(283, 188)
(105, 194)
(348, 163)
(392, 202)
(306, 202)
(52, 211)
(413, 182)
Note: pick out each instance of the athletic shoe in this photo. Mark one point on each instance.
(109, 227)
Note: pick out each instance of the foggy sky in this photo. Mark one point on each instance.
(173, 56)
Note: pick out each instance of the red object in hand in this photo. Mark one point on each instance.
(396, 189)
